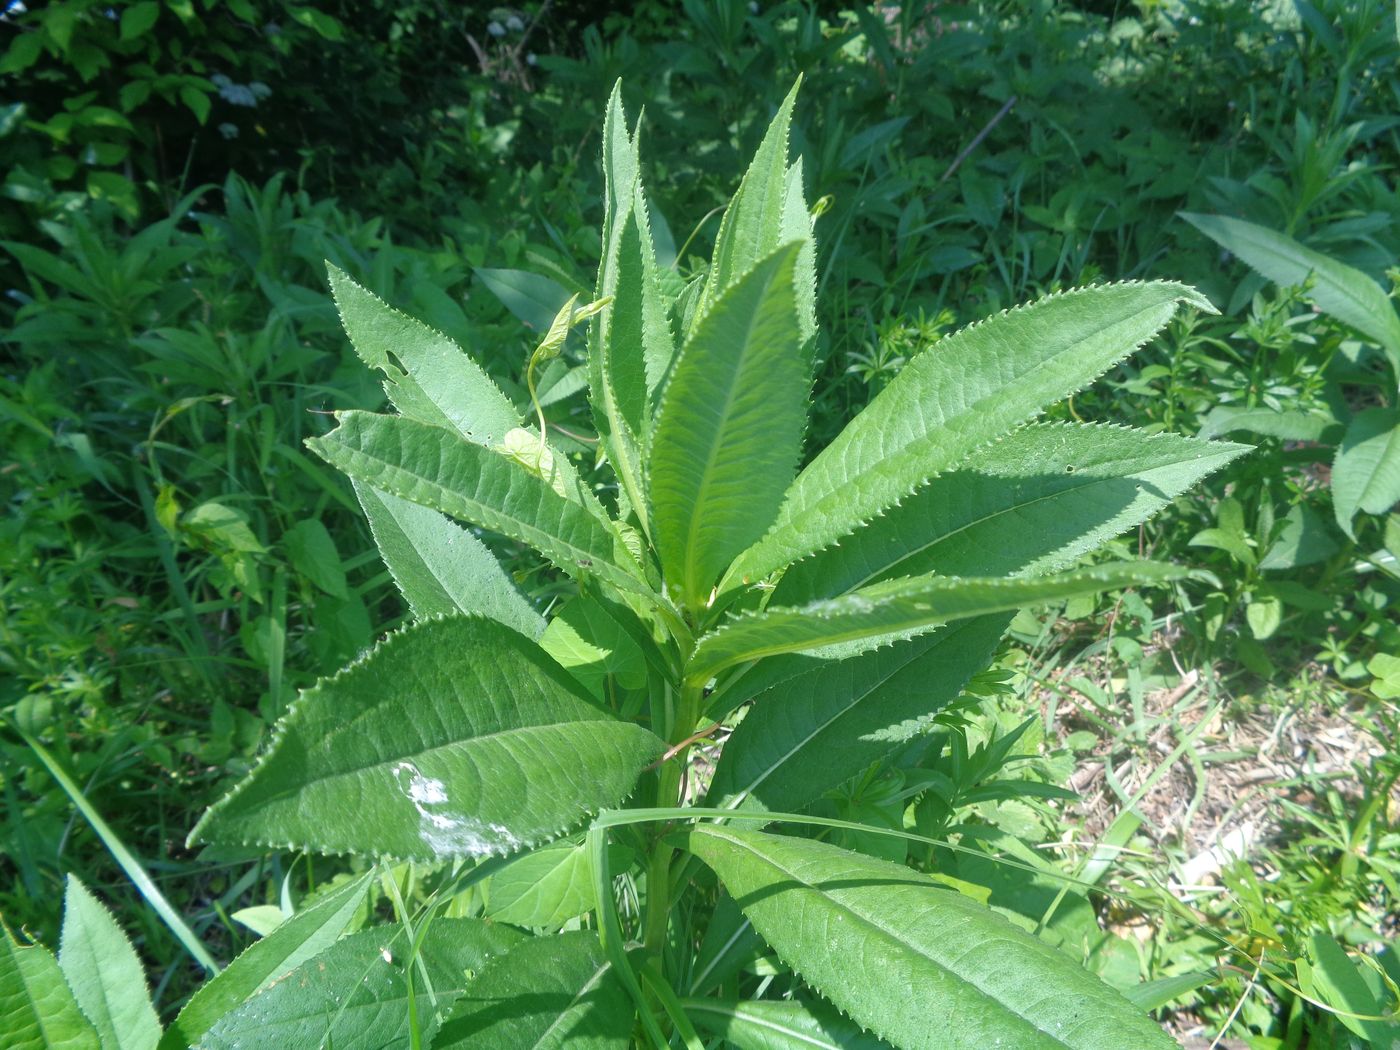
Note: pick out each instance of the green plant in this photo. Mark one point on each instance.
(471, 742)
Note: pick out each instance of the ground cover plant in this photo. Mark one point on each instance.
(483, 734)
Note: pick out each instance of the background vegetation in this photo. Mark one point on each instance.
(173, 564)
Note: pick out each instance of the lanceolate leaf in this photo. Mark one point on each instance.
(810, 733)
(431, 466)
(37, 1008)
(780, 1025)
(1338, 289)
(356, 992)
(899, 606)
(1366, 474)
(1029, 504)
(454, 738)
(440, 567)
(729, 430)
(546, 887)
(549, 992)
(104, 973)
(965, 391)
(874, 938)
(797, 226)
(428, 377)
(307, 933)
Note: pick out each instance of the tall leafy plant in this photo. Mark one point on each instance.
(825, 614)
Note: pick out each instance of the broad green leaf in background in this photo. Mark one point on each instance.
(1329, 974)
(900, 605)
(427, 376)
(1338, 289)
(590, 644)
(1031, 503)
(729, 429)
(548, 992)
(356, 992)
(37, 1008)
(430, 466)
(1366, 472)
(104, 973)
(874, 937)
(780, 1025)
(545, 888)
(307, 933)
(440, 567)
(453, 738)
(967, 390)
(532, 298)
(804, 736)
(1288, 425)
(311, 550)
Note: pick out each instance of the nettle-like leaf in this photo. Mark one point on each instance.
(781, 1025)
(730, 429)
(899, 606)
(923, 967)
(37, 1008)
(1366, 472)
(454, 738)
(967, 390)
(106, 977)
(548, 992)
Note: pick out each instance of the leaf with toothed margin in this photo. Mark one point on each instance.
(729, 430)
(548, 993)
(428, 377)
(797, 226)
(1029, 504)
(433, 467)
(453, 738)
(37, 1008)
(356, 993)
(789, 1024)
(897, 606)
(753, 224)
(873, 937)
(819, 728)
(965, 391)
(440, 567)
(309, 932)
(101, 967)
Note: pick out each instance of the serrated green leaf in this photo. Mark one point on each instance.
(37, 1008)
(729, 430)
(897, 606)
(1366, 472)
(1338, 289)
(428, 377)
(547, 887)
(356, 992)
(969, 389)
(786, 1025)
(433, 467)
(104, 973)
(548, 992)
(440, 567)
(797, 226)
(454, 738)
(873, 937)
(306, 934)
(752, 226)
(1029, 504)
(819, 728)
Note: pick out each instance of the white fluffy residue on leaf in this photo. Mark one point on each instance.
(446, 833)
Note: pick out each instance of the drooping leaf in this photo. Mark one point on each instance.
(788, 1024)
(1029, 504)
(729, 430)
(1288, 425)
(1366, 472)
(104, 973)
(37, 1008)
(548, 992)
(356, 992)
(896, 606)
(1338, 289)
(752, 226)
(970, 388)
(453, 738)
(304, 935)
(430, 466)
(440, 567)
(427, 376)
(532, 298)
(817, 729)
(874, 937)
